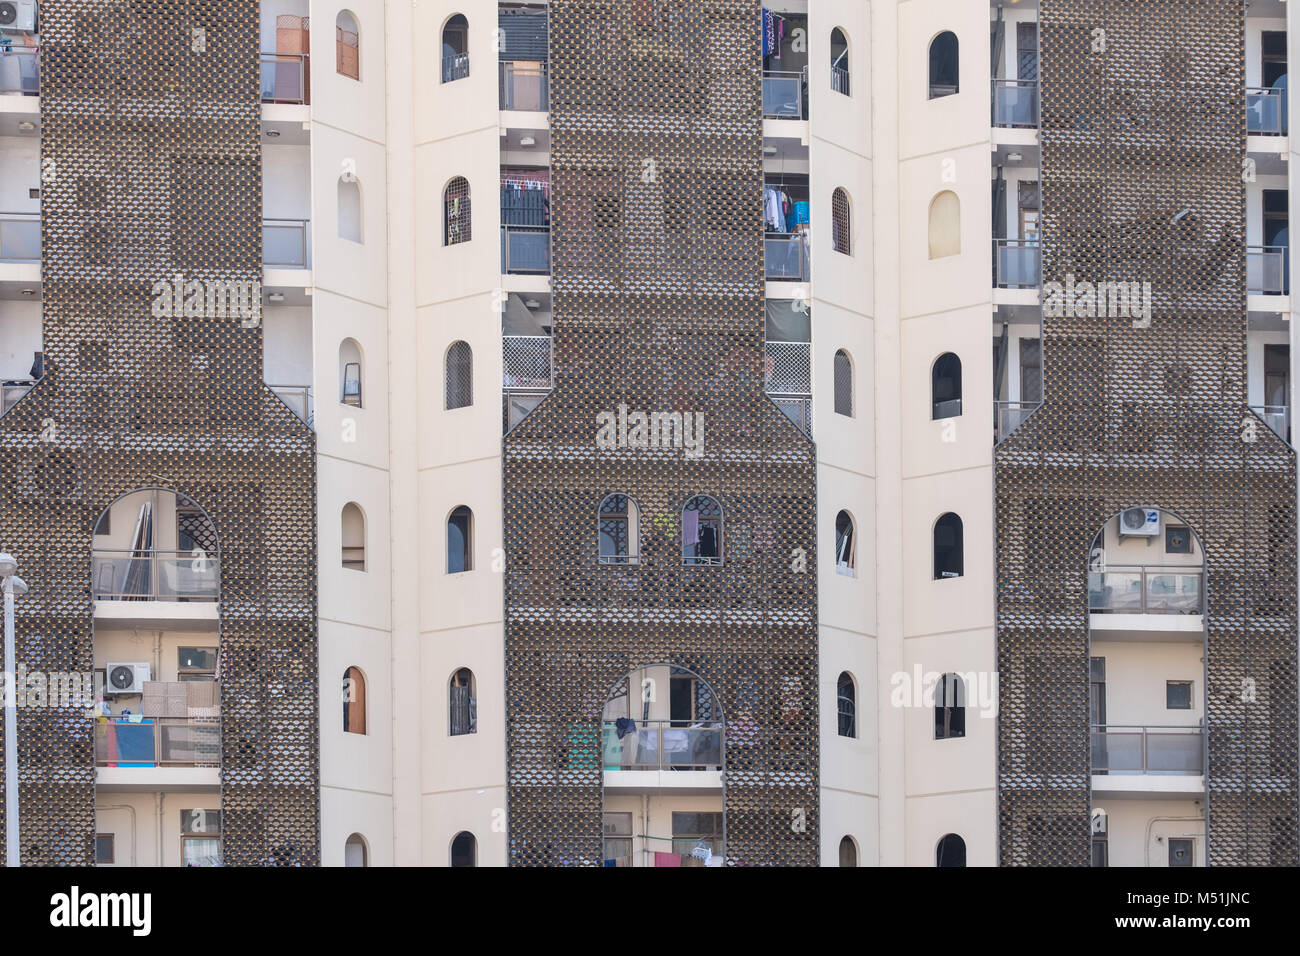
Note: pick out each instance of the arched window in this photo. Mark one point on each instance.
(951, 851)
(462, 703)
(350, 373)
(347, 45)
(839, 61)
(945, 225)
(460, 540)
(846, 559)
(146, 523)
(944, 72)
(349, 198)
(464, 849)
(455, 49)
(950, 707)
(948, 554)
(702, 531)
(848, 852)
(945, 387)
(840, 222)
(354, 537)
(458, 371)
(455, 205)
(354, 701)
(843, 384)
(618, 530)
(355, 852)
(847, 705)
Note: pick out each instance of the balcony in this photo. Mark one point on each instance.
(1265, 115)
(1169, 750)
(785, 258)
(1277, 417)
(663, 745)
(179, 576)
(1267, 272)
(20, 237)
(527, 376)
(524, 86)
(298, 398)
(525, 250)
(1015, 104)
(1015, 263)
(455, 66)
(785, 95)
(157, 742)
(1008, 416)
(286, 243)
(788, 369)
(1146, 589)
(20, 70)
(284, 78)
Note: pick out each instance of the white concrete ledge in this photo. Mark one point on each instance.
(157, 778)
(682, 782)
(1147, 786)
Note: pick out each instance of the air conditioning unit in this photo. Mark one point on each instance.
(1141, 522)
(126, 678)
(18, 16)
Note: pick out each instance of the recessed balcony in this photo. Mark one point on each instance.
(674, 756)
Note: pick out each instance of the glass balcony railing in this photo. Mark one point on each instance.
(155, 576)
(20, 237)
(298, 398)
(1267, 270)
(785, 257)
(525, 250)
(20, 70)
(1123, 749)
(1143, 589)
(1008, 416)
(286, 243)
(1015, 263)
(157, 742)
(785, 95)
(1015, 103)
(663, 745)
(14, 392)
(1277, 417)
(524, 86)
(284, 78)
(1265, 111)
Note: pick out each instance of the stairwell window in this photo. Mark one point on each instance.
(460, 537)
(843, 376)
(702, 531)
(944, 65)
(355, 852)
(839, 62)
(950, 851)
(845, 545)
(354, 701)
(464, 850)
(945, 225)
(354, 537)
(349, 207)
(462, 703)
(950, 708)
(948, 551)
(945, 387)
(350, 373)
(847, 705)
(455, 49)
(455, 205)
(840, 222)
(458, 368)
(848, 852)
(347, 45)
(618, 530)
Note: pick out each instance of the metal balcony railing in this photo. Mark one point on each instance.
(286, 243)
(524, 86)
(284, 77)
(455, 67)
(526, 362)
(1267, 271)
(785, 95)
(1277, 417)
(1015, 104)
(1146, 589)
(20, 237)
(298, 398)
(1153, 749)
(1265, 115)
(840, 80)
(525, 250)
(785, 257)
(13, 392)
(20, 70)
(157, 742)
(663, 745)
(1015, 263)
(1008, 416)
(789, 368)
(155, 576)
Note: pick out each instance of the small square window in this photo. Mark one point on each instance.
(1178, 695)
(103, 848)
(1178, 539)
(1181, 852)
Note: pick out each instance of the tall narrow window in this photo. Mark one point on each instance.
(455, 206)
(839, 62)
(617, 530)
(455, 49)
(354, 701)
(945, 387)
(951, 851)
(945, 225)
(843, 384)
(840, 222)
(464, 850)
(354, 851)
(350, 373)
(944, 66)
(354, 537)
(948, 553)
(702, 531)
(347, 45)
(950, 707)
(458, 366)
(845, 545)
(460, 530)
(349, 200)
(462, 704)
(847, 705)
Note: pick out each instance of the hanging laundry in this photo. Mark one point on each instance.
(769, 32)
(690, 528)
(668, 859)
(624, 726)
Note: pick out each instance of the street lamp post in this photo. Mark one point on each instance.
(12, 585)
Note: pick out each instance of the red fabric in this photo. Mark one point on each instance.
(668, 859)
